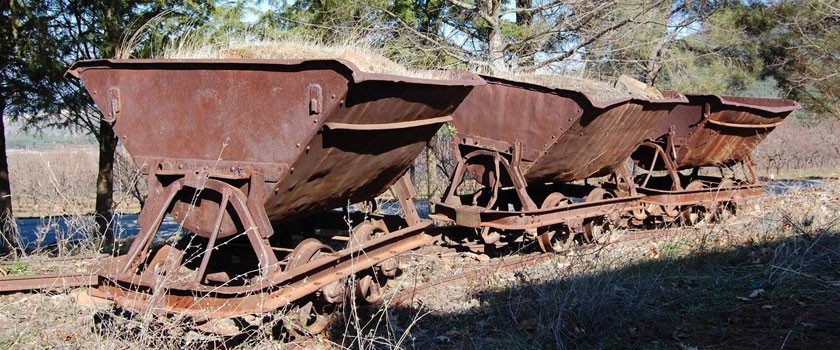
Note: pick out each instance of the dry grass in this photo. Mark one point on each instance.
(765, 279)
(594, 89)
(353, 48)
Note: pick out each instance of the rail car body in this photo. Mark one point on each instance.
(232, 149)
(530, 148)
(697, 162)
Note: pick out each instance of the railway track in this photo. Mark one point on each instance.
(16, 283)
(47, 282)
(512, 263)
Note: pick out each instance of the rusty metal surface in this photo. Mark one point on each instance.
(47, 282)
(564, 135)
(233, 118)
(714, 130)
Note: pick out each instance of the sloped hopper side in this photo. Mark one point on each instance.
(713, 130)
(564, 136)
(320, 132)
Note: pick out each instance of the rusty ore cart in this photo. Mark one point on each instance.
(536, 153)
(233, 148)
(698, 160)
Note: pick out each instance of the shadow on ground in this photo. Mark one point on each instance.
(777, 293)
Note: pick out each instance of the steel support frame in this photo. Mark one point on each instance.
(248, 208)
(274, 289)
(531, 217)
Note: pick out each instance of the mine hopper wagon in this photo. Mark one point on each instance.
(239, 152)
(547, 164)
(697, 164)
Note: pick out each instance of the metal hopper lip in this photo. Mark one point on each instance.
(762, 104)
(673, 98)
(359, 76)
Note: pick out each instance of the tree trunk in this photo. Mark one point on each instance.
(495, 43)
(654, 64)
(105, 183)
(7, 221)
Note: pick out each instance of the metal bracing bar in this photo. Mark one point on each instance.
(652, 166)
(199, 277)
(457, 177)
(745, 126)
(670, 165)
(497, 183)
(255, 204)
(749, 163)
(624, 174)
(405, 194)
(142, 242)
(264, 253)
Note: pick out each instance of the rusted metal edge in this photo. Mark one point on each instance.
(745, 126)
(730, 101)
(467, 78)
(605, 104)
(47, 282)
(388, 126)
(225, 169)
(652, 191)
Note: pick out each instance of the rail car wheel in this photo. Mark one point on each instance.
(694, 214)
(596, 230)
(313, 316)
(367, 287)
(670, 213)
(368, 230)
(308, 319)
(555, 238)
(638, 217)
(723, 210)
(555, 199)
